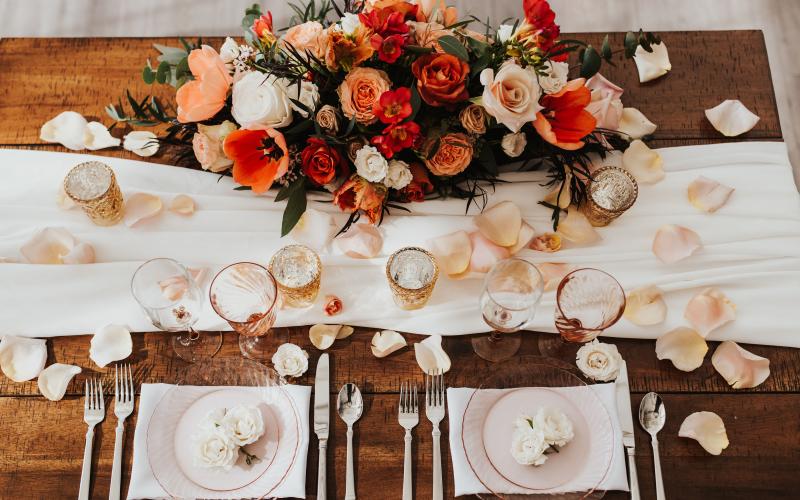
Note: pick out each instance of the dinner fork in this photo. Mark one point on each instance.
(123, 407)
(94, 411)
(435, 409)
(408, 415)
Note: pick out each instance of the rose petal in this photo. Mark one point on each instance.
(63, 201)
(553, 273)
(643, 163)
(526, 234)
(198, 274)
(740, 368)
(322, 336)
(182, 205)
(674, 243)
(54, 379)
(547, 242)
(708, 429)
(344, 332)
(82, 253)
(501, 223)
(452, 251)
(707, 194)
(362, 241)
(732, 118)
(561, 194)
(575, 227)
(141, 206)
(709, 310)
(634, 124)
(333, 305)
(652, 65)
(67, 128)
(386, 342)
(173, 288)
(55, 245)
(314, 229)
(141, 142)
(645, 306)
(684, 347)
(22, 358)
(96, 136)
(485, 254)
(430, 356)
(110, 343)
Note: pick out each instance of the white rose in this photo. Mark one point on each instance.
(514, 144)
(511, 95)
(528, 444)
(261, 100)
(213, 448)
(556, 77)
(290, 360)
(350, 23)
(556, 427)
(370, 164)
(505, 32)
(141, 142)
(229, 50)
(309, 95)
(398, 175)
(243, 424)
(599, 361)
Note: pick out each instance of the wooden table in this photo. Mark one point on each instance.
(42, 445)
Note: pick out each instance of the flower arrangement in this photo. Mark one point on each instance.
(223, 434)
(386, 102)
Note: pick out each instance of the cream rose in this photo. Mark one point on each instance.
(473, 119)
(207, 146)
(243, 424)
(229, 50)
(527, 443)
(514, 144)
(398, 175)
(370, 164)
(213, 448)
(512, 95)
(261, 100)
(599, 361)
(556, 426)
(556, 78)
(307, 37)
(328, 118)
(307, 94)
(290, 360)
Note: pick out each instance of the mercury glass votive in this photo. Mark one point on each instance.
(611, 192)
(412, 274)
(93, 186)
(298, 271)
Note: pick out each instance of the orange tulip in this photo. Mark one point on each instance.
(203, 97)
(259, 157)
(564, 121)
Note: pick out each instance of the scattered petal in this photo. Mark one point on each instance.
(708, 429)
(141, 206)
(173, 288)
(22, 358)
(141, 142)
(634, 124)
(110, 343)
(54, 379)
(707, 194)
(55, 245)
(82, 253)
(322, 336)
(674, 243)
(198, 274)
(643, 163)
(63, 201)
(684, 347)
(344, 332)
(709, 310)
(732, 118)
(430, 355)
(97, 136)
(314, 229)
(575, 227)
(362, 241)
(526, 234)
(561, 194)
(182, 205)
(67, 129)
(386, 342)
(333, 305)
(485, 254)
(501, 223)
(645, 306)
(652, 65)
(553, 273)
(547, 242)
(452, 251)
(739, 367)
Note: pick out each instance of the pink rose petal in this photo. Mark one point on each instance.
(526, 234)
(485, 254)
(553, 273)
(707, 194)
(575, 228)
(709, 310)
(674, 243)
(708, 429)
(453, 252)
(141, 206)
(182, 205)
(500, 223)
(740, 368)
(362, 241)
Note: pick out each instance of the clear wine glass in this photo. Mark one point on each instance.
(511, 292)
(245, 295)
(170, 297)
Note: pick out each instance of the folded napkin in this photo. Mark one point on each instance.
(467, 483)
(143, 482)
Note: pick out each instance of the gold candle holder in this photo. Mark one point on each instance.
(93, 186)
(298, 272)
(412, 273)
(611, 192)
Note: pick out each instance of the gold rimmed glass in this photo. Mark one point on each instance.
(412, 273)
(611, 192)
(93, 186)
(298, 272)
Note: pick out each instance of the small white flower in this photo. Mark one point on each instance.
(213, 448)
(556, 426)
(514, 144)
(398, 175)
(528, 443)
(141, 142)
(505, 32)
(308, 96)
(370, 164)
(350, 23)
(258, 99)
(243, 424)
(556, 77)
(290, 360)
(229, 50)
(599, 361)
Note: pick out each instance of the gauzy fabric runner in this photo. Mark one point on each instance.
(751, 247)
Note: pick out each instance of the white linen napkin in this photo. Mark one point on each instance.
(144, 484)
(465, 481)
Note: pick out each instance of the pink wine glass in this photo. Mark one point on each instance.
(587, 302)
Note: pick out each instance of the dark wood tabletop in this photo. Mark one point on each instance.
(41, 448)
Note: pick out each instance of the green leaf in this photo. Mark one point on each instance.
(416, 103)
(148, 75)
(295, 206)
(488, 160)
(590, 62)
(416, 49)
(451, 45)
(182, 68)
(478, 47)
(172, 55)
(631, 42)
(605, 50)
(242, 188)
(163, 72)
(479, 65)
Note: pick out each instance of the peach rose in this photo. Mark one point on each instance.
(473, 119)
(207, 145)
(310, 36)
(512, 95)
(359, 91)
(203, 97)
(453, 155)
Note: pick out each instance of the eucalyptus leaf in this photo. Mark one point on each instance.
(590, 62)
(452, 46)
(416, 103)
(605, 50)
(631, 42)
(148, 75)
(171, 55)
(163, 72)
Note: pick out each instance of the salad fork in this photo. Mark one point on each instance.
(435, 409)
(408, 416)
(94, 411)
(123, 407)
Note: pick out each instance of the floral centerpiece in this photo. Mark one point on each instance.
(386, 102)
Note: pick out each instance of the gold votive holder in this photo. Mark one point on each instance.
(93, 186)
(611, 192)
(412, 273)
(298, 272)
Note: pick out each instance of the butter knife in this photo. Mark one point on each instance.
(322, 418)
(626, 423)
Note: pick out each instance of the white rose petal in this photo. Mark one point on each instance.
(599, 361)
(398, 175)
(68, 128)
(314, 229)
(430, 355)
(505, 32)
(643, 163)
(54, 379)
(243, 424)
(684, 347)
(556, 78)
(97, 137)
(386, 342)
(213, 448)
(635, 124)
(645, 306)
(290, 360)
(110, 343)
(652, 65)
(22, 358)
(229, 50)
(732, 118)
(261, 100)
(350, 23)
(370, 164)
(555, 425)
(514, 144)
(141, 206)
(708, 429)
(141, 142)
(55, 245)
(323, 336)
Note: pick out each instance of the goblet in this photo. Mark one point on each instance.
(170, 297)
(511, 291)
(245, 295)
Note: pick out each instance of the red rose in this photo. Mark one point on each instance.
(419, 186)
(441, 79)
(322, 163)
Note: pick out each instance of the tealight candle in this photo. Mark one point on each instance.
(611, 192)
(298, 271)
(412, 274)
(93, 186)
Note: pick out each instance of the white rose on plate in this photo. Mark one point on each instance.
(213, 448)
(308, 97)
(370, 164)
(514, 144)
(290, 360)
(398, 175)
(243, 424)
(261, 100)
(556, 427)
(527, 443)
(599, 361)
(556, 77)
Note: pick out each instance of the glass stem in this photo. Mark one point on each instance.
(495, 336)
(193, 336)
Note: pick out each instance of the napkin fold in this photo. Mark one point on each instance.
(143, 482)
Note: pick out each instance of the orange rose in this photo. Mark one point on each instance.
(347, 51)
(310, 36)
(452, 156)
(441, 79)
(360, 90)
(203, 97)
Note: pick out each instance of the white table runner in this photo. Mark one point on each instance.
(751, 247)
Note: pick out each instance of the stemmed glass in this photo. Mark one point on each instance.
(170, 297)
(511, 292)
(245, 295)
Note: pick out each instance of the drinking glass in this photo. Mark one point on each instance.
(297, 270)
(412, 273)
(587, 302)
(169, 296)
(245, 295)
(511, 291)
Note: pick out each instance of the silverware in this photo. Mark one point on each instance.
(123, 407)
(435, 409)
(626, 424)
(322, 418)
(652, 415)
(349, 405)
(94, 411)
(408, 416)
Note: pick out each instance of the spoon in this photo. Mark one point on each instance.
(349, 405)
(652, 416)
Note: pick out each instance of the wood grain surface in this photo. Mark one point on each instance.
(41, 452)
